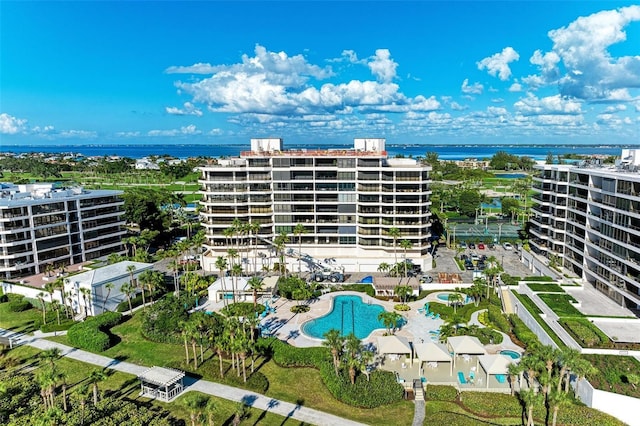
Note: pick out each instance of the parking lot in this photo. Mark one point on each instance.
(510, 259)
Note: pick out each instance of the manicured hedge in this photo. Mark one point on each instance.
(160, 320)
(242, 309)
(538, 278)
(362, 288)
(498, 319)
(90, 334)
(522, 332)
(546, 288)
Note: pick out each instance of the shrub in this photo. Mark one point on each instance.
(54, 326)
(160, 321)
(90, 334)
(440, 393)
(522, 332)
(362, 288)
(402, 307)
(137, 300)
(19, 305)
(561, 304)
(498, 319)
(300, 309)
(242, 309)
(510, 280)
(584, 331)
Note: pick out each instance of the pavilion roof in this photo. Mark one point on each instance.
(161, 376)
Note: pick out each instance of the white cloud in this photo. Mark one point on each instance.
(11, 125)
(382, 66)
(198, 68)
(188, 109)
(498, 64)
(474, 89)
(515, 87)
(134, 134)
(591, 72)
(532, 105)
(83, 134)
(616, 108)
(457, 107)
(189, 130)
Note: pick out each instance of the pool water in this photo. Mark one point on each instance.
(348, 315)
(510, 354)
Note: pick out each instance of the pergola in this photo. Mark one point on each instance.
(161, 383)
(394, 345)
(494, 365)
(432, 352)
(465, 345)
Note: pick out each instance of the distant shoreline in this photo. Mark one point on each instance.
(445, 151)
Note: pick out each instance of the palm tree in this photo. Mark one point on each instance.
(255, 284)
(390, 320)
(254, 230)
(352, 347)
(210, 408)
(221, 264)
(556, 401)
(299, 230)
(582, 368)
(335, 342)
(95, 377)
(384, 267)
(530, 399)
(395, 234)
(405, 245)
(128, 289)
(183, 326)
(566, 358)
(86, 297)
(109, 287)
(514, 371)
(151, 279)
(55, 305)
(40, 297)
(236, 272)
(49, 356)
(195, 402)
(131, 269)
(280, 242)
(548, 355)
(477, 290)
(455, 298)
(402, 291)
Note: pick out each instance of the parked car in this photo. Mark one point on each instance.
(463, 245)
(472, 246)
(492, 246)
(468, 264)
(507, 246)
(480, 246)
(426, 279)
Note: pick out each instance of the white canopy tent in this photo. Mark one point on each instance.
(494, 365)
(465, 345)
(396, 345)
(434, 352)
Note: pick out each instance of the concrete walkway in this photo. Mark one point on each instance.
(252, 399)
(418, 413)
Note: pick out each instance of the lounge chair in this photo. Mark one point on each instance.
(461, 378)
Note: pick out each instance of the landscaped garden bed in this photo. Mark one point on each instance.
(561, 304)
(545, 288)
(614, 373)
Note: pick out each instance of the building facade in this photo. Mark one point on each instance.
(348, 202)
(43, 227)
(587, 219)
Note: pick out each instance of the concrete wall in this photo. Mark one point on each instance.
(30, 292)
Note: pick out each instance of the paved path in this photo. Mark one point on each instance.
(418, 413)
(256, 400)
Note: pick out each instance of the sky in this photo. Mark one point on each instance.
(316, 72)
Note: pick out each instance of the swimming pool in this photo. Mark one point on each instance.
(511, 354)
(348, 315)
(445, 297)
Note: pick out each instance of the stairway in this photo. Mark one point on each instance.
(418, 391)
(507, 306)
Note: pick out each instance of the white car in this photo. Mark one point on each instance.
(507, 246)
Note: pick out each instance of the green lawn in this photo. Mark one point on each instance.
(561, 304)
(545, 288)
(20, 322)
(121, 385)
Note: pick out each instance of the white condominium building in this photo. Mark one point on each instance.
(43, 227)
(347, 200)
(587, 218)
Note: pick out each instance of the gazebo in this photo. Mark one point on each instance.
(495, 365)
(432, 352)
(161, 383)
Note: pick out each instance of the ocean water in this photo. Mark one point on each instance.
(445, 152)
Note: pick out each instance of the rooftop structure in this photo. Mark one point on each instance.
(43, 226)
(347, 200)
(587, 220)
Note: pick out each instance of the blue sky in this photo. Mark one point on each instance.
(561, 72)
